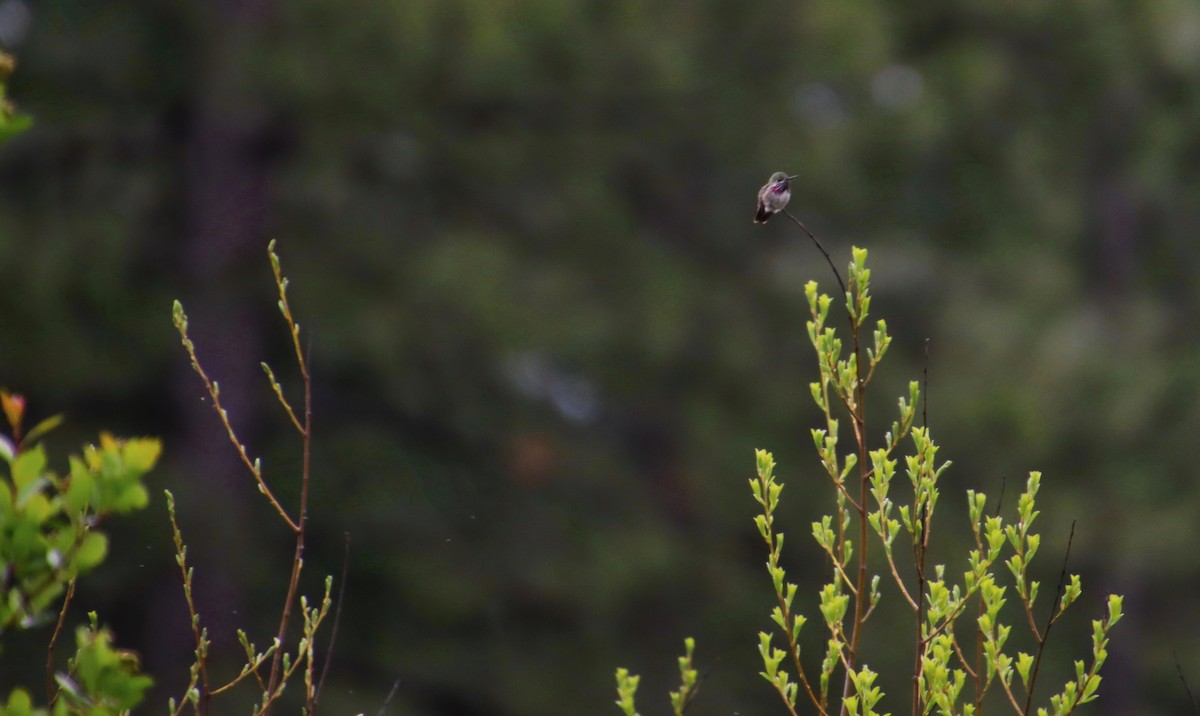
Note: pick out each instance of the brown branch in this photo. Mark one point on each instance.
(51, 694)
(215, 393)
(1012, 699)
(912, 603)
(962, 658)
(193, 616)
(276, 678)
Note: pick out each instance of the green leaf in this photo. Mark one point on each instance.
(13, 126)
(92, 551)
(41, 429)
(28, 467)
(1024, 662)
(141, 453)
(79, 493)
(132, 497)
(19, 704)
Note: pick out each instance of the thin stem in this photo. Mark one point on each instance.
(282, 400)
(1188, 689)
(859, 421)
(925, 389)
(912, 603)
(337, 617)
(962, 659)
(785, 610)
(920, 548)
(1012, 699)
(841, 572)
(821, 248)
(921, 552)
(215, 393)
(1037, 660)
(390, 696)
(193, 616)
(854, 503)
(253, 664)
(277, 676)
(981, 685)
(51, 693)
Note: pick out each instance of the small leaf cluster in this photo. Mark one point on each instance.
(49, 522)
(880, 531)
(100, 680)
(866, 505)
(689, 685)
(49, 536)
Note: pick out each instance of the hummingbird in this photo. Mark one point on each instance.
(774, 195)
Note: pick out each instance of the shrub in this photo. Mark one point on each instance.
(872, 531)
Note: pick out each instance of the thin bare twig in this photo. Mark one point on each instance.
(391, 694)
(821, 248)
(962, 658)
(925, 388)
(337, 617)
(1188, 689)
(198, 635)
(691, 697)
(51, 693)
(1054, 606)
(253, 466)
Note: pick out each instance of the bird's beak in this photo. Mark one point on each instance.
(793, 176)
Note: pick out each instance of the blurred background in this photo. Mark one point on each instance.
(546, 338)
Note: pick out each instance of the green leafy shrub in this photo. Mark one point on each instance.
(50, 536)
(960, 625)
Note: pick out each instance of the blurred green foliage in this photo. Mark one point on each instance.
(546, 336)
(49, 538)
(48, 534)
(11, 122)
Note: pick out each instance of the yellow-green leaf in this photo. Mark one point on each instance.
(28, 466)
(142, 453)
(92, 550)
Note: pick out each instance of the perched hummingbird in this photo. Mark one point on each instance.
(774, 195)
